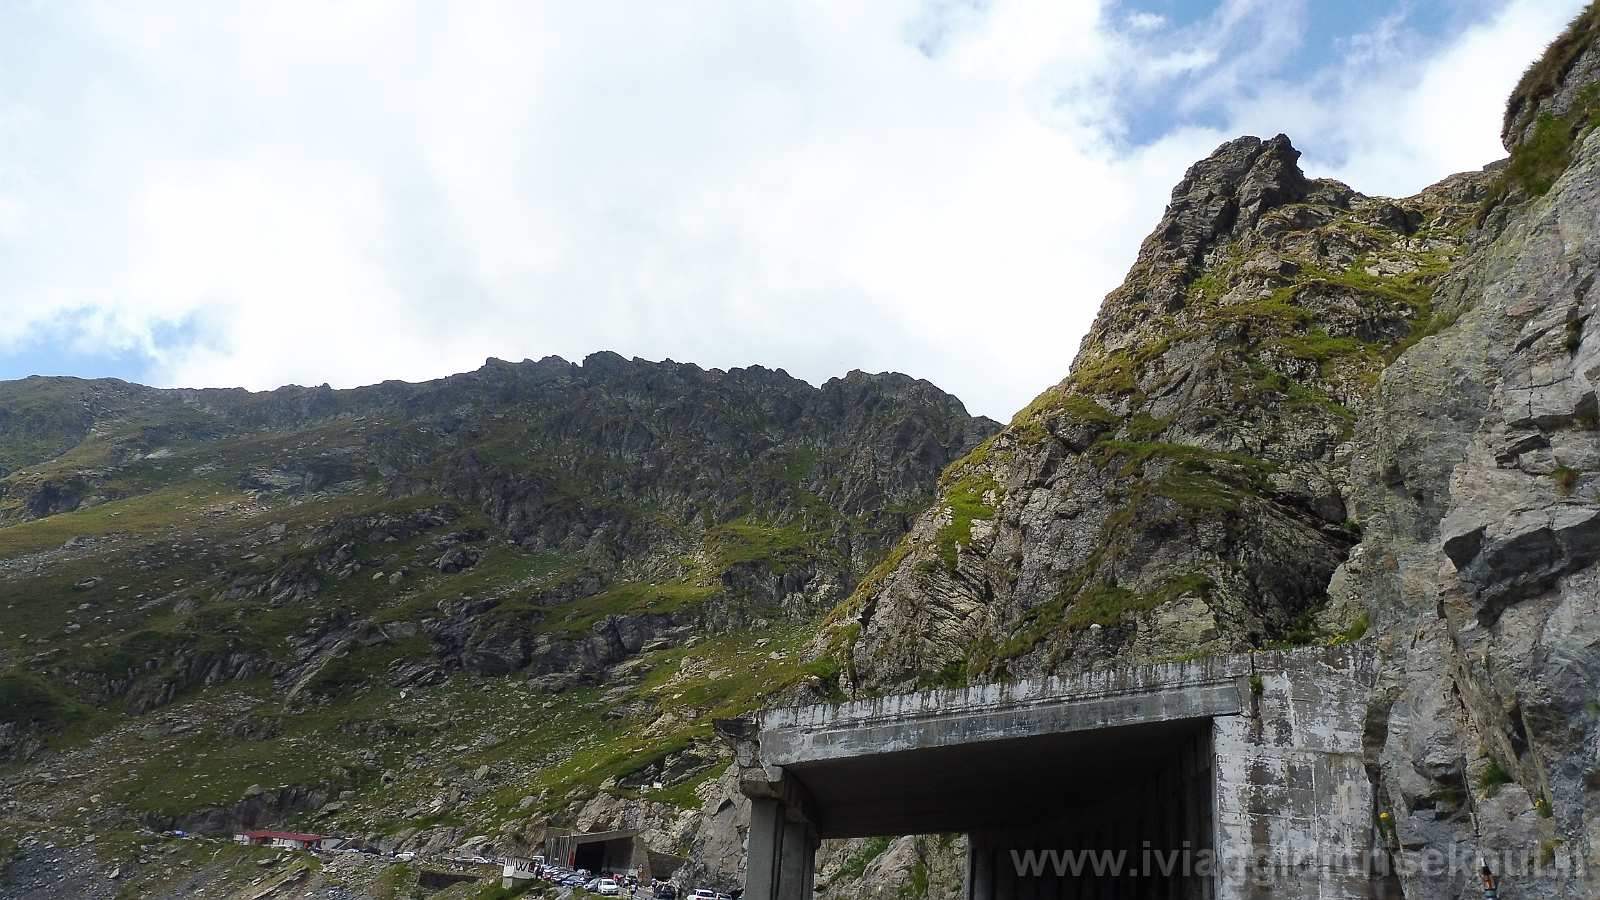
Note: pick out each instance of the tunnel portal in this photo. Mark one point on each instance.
(1213, 779)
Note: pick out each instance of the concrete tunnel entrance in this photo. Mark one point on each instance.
(1143, 782)
(599, 851)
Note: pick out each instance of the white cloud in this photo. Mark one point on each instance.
(350, 192)
(1392, 121)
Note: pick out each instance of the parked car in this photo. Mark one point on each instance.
(665, 891)
(479, 861)
(607, 887)
(703, 894)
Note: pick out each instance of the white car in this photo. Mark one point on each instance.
(479, 861)
(608, 888)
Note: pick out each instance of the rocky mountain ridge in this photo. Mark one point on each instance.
(306, 607)
(742, 494)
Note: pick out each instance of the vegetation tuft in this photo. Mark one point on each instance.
(1493, 776)
(856, 865)
(968, 498)
(1566, 479)
(1543, 79)
(1538, 161)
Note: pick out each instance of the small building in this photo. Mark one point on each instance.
(286, 840)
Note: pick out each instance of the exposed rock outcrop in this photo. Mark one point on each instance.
(1184, 489)
(1477, 487)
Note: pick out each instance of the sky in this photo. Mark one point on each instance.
(261, 193)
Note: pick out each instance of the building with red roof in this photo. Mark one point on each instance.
(285, 839)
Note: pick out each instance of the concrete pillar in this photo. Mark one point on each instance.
(782, 855)
(810, 872)
(971, 885)
(980, 866)
(797, 862)
(766, 833)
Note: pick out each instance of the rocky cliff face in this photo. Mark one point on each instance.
(1184, 490)
(1477, 486)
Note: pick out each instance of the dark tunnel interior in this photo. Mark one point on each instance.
(1107, 813)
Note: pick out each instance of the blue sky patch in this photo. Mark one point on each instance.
(1256, 45)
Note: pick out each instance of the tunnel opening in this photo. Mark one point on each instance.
(590, 857)
(615, 852)
(1150, 839)
(1110, 813)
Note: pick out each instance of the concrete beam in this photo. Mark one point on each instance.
(789, 746)
(773, 783)
(1169, 692)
